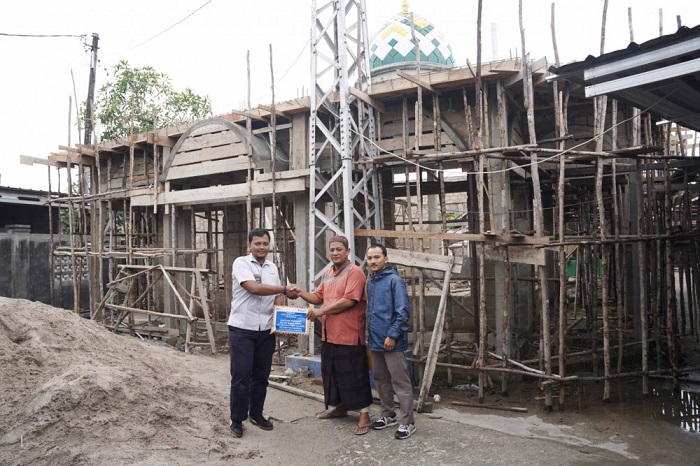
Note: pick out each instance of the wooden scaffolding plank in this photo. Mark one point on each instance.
(436, 337)
(205, 309)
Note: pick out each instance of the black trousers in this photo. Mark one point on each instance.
(251, 361)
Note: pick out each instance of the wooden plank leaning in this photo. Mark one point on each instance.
(205, 309)
(434, 348)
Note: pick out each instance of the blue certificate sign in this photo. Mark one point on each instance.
(290, 320)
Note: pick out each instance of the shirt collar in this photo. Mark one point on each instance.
(252, 259)
(337, 270)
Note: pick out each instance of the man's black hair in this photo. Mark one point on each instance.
(380, 246)
(258, 232)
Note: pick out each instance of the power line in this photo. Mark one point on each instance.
(42, 35)
(172, 26)
(303, 48)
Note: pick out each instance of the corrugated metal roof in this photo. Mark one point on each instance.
(661, 76)
(22, 196)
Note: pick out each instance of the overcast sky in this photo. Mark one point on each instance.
(206, 50)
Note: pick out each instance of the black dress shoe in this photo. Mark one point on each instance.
(237, 429)
(261, 422)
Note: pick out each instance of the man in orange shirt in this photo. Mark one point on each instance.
(344, 366)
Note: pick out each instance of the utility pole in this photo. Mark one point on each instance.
(91, 91)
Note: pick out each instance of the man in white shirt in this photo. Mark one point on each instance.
(256, 290)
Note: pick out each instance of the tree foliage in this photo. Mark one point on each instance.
(140, 93)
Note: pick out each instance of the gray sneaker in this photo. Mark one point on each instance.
(405, 431)
(384, 422)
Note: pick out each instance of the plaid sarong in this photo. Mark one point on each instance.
(345, 376)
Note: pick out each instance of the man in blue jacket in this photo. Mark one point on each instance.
(387, 320)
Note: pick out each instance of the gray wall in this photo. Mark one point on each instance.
(25, 269)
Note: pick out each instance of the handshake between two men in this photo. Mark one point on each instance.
(294, 292)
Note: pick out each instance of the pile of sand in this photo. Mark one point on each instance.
(72, 392)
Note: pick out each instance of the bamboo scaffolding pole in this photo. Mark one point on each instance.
(273, 160)
(559, 127)
(189, 294)
(638, 373)
(449, 318)
(696, 287)
(689, 293)
(117, 307)
(514, 363)
(418, 133)
(604, 281)
(173, 235)
(217, 267)
(689, 259)
(71, 239)
(156, 164)
(99, 224)
(145, 293)
(579, 354)
(483, 333)
(618, 248)
(536, 207)
(128, 211)
(249, 151)
(504, 370)
(203, 296)
(602, 229)
(599, 130)
(52, 258)
(641, 258)
(521, 152)
(497, 408)
(60, 239)
(505, 227)
(111, 220)
(654, 267)
(419, 90)
(193, 234)
(191, 331)
(93, 264)
(480, 325)
(409, 216)
(671, 322)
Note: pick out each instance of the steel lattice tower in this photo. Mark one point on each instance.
(343, 191)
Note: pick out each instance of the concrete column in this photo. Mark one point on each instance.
(19, 262)
(434, 226)
(632, 274)
(499, 266)
(235, 243)
(301, 230)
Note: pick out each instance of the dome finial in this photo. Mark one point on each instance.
(404, 8)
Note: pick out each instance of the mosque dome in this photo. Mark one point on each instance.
(392, 47)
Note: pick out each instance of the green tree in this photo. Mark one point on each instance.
(139, 93)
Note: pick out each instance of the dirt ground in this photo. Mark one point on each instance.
(73, 393)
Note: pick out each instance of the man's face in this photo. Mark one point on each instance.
(259, 246)
(339, 253)
(376, 260)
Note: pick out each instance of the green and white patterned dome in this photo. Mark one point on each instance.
(392, 47)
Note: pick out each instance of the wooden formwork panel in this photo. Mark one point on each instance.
(211, 149)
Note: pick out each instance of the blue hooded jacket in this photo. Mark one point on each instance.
(388, 310)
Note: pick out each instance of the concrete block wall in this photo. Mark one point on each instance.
(26, 271)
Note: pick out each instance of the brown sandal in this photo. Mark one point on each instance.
(330, 415)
